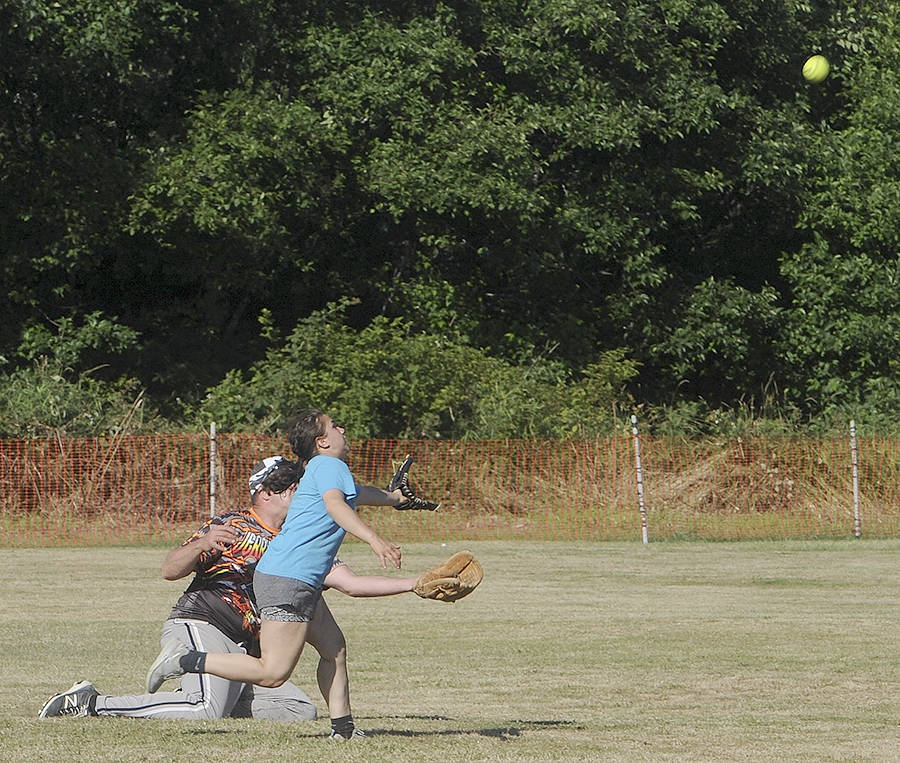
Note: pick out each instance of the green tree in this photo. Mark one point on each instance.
(571, 175)
(62, 390)
(386, 381)
(590, 176)
(841, 337)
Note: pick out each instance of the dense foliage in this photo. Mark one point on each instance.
(466, 218)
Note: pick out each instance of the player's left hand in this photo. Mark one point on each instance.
(402, 491)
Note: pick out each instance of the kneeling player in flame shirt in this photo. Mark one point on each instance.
(217, 613)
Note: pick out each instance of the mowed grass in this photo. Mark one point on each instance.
(764, 651)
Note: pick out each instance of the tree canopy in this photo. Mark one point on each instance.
(644, 193)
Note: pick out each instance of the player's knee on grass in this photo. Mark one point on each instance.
(287, 711)
(286, 703)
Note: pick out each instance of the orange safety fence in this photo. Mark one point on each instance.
(153, 489)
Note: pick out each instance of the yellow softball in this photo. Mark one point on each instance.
(816, 68)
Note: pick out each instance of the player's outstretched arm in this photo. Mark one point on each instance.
(369, 495)
(345, 580)
(399, 493)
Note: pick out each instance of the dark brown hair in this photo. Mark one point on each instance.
(303, 431)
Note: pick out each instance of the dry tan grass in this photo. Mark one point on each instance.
(567, 652)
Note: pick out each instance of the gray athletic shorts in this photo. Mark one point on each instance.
(285, 599)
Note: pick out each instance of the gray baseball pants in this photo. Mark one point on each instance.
(204, 696)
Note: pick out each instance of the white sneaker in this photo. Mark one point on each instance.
(74, 701)
(167, 664)
(357, 735)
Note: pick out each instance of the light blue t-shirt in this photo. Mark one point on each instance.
(309, 539)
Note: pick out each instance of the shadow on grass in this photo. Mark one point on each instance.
(507, 731)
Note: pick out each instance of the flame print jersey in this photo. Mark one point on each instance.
(221, 592)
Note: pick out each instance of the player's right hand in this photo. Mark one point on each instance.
(220, 537)
(386, 551)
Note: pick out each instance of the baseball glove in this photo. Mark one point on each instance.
(452, 580)
(410, 499)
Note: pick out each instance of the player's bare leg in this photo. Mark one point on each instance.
(280, 645)
(326, 637)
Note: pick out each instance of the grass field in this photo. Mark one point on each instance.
(766, 651)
